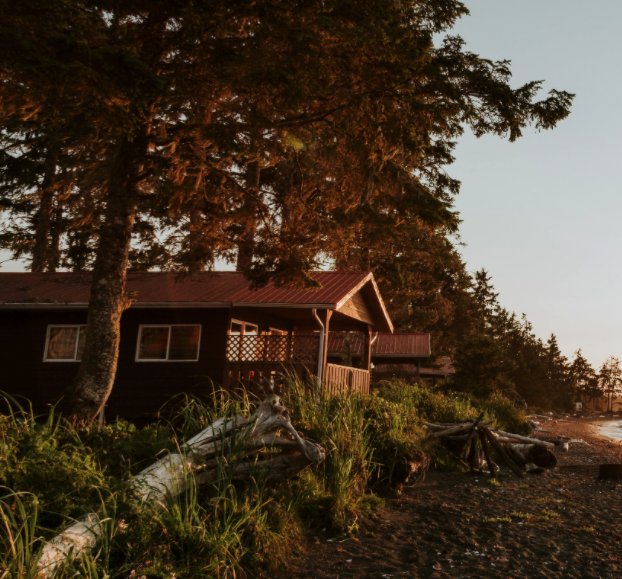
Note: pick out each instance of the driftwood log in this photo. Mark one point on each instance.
(471, 443)
(523, 454)
(524, 439)
(198, 463)
(495, 444)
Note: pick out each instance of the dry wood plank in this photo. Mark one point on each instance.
(449, 431)
(482, 439)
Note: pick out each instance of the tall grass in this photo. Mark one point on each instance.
(22, 545)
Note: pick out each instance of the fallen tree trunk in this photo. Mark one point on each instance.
(439, 427)
(198, 463)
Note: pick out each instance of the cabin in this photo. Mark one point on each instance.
(186, 334)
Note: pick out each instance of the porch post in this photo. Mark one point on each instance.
(324, 316)
(226, 377)
(290, 346)
(366, 362)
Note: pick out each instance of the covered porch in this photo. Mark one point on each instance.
(268, 344)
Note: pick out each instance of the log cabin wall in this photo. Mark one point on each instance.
(140, 389)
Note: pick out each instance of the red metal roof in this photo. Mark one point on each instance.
(163, 287)
(387, 345)
(413, 344)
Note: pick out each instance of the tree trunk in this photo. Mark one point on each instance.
(287, 189)
(44, 215)
(53, 255)
(246, 247)
(93, 383)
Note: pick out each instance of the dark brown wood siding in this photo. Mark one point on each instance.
(356, 307)
(141, 388)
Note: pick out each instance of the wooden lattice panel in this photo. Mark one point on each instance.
(268, 348)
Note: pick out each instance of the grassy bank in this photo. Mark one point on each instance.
(52, 472)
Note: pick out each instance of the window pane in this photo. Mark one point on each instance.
(236, 329)
(62, 344)
(153, 343)
(81, 339)
(184, 343)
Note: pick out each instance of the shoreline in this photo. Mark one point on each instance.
(607, 430)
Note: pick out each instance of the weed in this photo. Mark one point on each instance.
(493, 482)
(517, 515)
(588, 530)
(547, 516)
(498, 520)
(523, 487)
(570, 503)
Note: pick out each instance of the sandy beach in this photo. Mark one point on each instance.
(569, 524)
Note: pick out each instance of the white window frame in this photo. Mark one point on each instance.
(168, 343)
(47, 343)
(244, 324)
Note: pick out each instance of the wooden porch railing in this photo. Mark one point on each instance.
(340, 379)
(259, 364)
(296, 348)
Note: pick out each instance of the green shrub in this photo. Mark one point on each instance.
(507, 416)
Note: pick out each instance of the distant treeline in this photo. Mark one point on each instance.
(495, 350)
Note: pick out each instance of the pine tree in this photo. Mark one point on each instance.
(610, 380)
(583, 378)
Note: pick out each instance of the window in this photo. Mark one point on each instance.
(64, 343)
(243, 329)
(168, 343)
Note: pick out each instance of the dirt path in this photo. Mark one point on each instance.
(439, 528)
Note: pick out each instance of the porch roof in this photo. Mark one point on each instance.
(204, 289)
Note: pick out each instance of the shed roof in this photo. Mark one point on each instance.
(203, 289)
(411, 345)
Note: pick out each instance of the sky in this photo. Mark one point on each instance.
(542, 215)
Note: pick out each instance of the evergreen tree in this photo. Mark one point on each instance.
(583, 378)
(610, 380)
